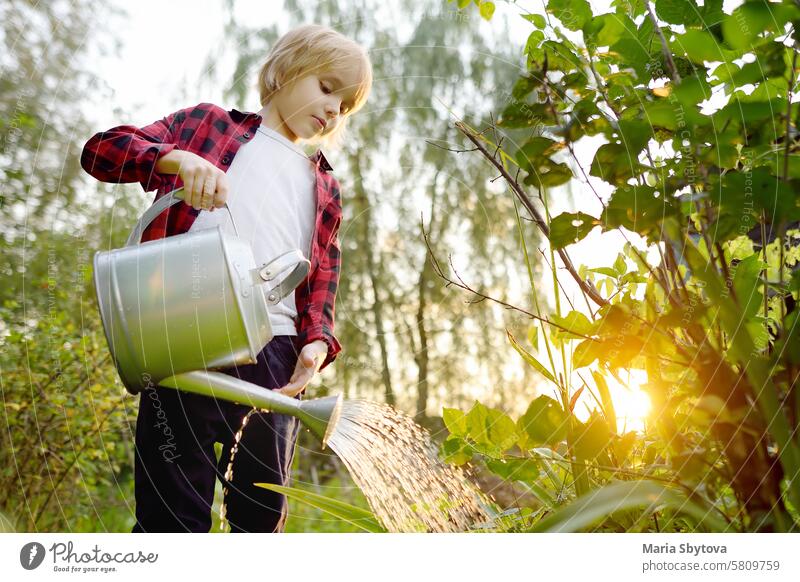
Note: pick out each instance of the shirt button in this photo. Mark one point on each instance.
(246, 135)
(226, 160)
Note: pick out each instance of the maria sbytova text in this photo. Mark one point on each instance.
(64, 553)
(694, 550)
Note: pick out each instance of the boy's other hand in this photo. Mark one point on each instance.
(205, 186)
(311, 357)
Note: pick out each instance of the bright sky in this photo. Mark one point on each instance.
(155, 72)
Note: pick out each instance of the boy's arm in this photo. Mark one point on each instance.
(127, 153)
(316, 320)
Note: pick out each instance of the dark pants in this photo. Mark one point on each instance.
(175, 463)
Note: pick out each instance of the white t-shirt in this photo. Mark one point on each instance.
(271, 196)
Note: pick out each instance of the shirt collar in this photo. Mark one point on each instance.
(317, 157)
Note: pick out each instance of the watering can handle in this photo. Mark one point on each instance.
(275, 267)
(166, 201)
(260, 275)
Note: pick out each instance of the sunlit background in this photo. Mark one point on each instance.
(410, 338)
(170, 54)
(146, 78)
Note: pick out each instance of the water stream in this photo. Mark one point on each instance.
(394, 461)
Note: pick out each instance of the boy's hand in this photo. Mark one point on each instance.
(311, 357)
(205, 186)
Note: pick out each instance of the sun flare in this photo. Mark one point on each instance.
(631, 403)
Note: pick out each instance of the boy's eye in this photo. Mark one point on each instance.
(325, 89)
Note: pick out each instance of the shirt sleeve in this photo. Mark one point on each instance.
(127, 153)
(317, 319)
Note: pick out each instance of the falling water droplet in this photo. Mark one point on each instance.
(229, 470)
(395, 463)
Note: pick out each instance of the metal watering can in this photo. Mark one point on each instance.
(176, 308)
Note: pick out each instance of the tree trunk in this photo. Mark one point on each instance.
(365, 210)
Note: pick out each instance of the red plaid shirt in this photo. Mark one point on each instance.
(128, 154)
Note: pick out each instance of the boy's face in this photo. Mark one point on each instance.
(326, 96)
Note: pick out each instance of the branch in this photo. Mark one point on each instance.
(537, 217)
(482, 297)
(676, 78)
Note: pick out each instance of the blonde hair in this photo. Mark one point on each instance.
(314, 48)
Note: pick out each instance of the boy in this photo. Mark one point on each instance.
(314, 78)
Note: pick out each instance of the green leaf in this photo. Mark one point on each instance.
(607, 29)
(530, 359)
(745, 283)
(607, 271)
(630, 7)
(586, 352)
(592, 438)
(620, 266)
(634, 135)
(762, 191)
(534, 149)
(573, 14)
(699, 46)
(638, 209)
(455, 421)
(515, 469)
(575, 324)
(491, 430)
(778, 163)
(533, 46)
(351, 514)
(771, 61)
(545, 422)
(636, 52)
(536, 19)
(523, 86)
(547, 173)
(487, 10)
(690, 464)
(662, 114)
(742, 112)
(533, 336)
(609, 411)
(711, 14)
(456, 450)
(570, 227)
(614, 163)
(520, 114)
(746, 22)
(685, 12)
(540, 493)
(691, 91)
(722, 153)
(591, 508)
(622, 446)
(788, 345)
(561, 56)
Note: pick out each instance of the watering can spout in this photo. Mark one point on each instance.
(320, 415)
